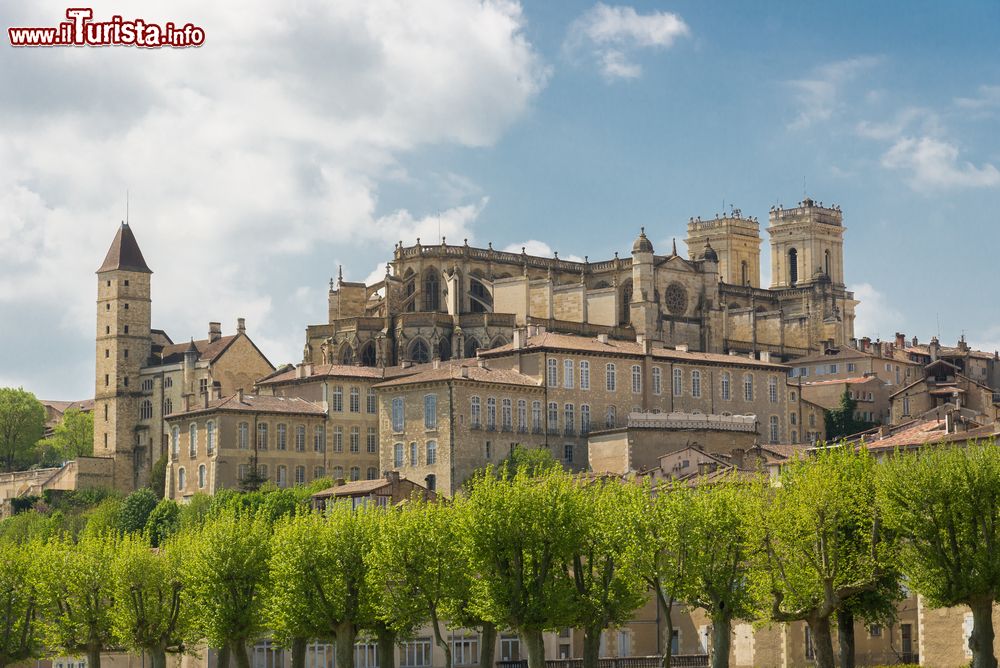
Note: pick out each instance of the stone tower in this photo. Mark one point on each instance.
(736, 241)
(807, 245)
(123, 347)
(643, 309)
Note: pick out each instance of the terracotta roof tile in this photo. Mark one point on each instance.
(847, 381)
(251, 403)
(929, 432)
(466, 370)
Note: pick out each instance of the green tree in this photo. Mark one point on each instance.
(521, 531)
(944, 504)
(151, 610)
(18, 602)
(841, 421)
(72, 437)
(77, 590)
(103, 518)
(158, 476)
(822, 541)
(135, 510)
(535, 461)
(607, 587)
(226, 574)
(22, 424)
(163, 522)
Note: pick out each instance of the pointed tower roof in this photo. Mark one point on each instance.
(124, 254)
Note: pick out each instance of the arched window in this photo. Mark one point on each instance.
(347, 354)
(480, 299)
(432, 291)
(419, 351)
(498, 341)
(181, 479)
(471, 346)
(201, 476)
(210, 437)
(444, 349)
(282, 476)
(432, 449)
(748, 387)
(678, 382)
(397, 455)
(168, 406)
(372, 473)
(368, 356)
(355, 473)
(431, 481)
(696, 384)
(793, 266)
(626, 304)
(146, 410)
(744, 273)
(193, 440)
(413, 453)
(826, 262)
(175, 437)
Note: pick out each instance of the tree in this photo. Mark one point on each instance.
(520, 531)
(840, 421)
(18, 602)
(608, 589)
(720, 550)
(944, 504)
(226, 573)
(822, 540)
(72, 437)
(158, 476)
(135, 510)
(77, 590)
(151, 609)
(163, 522)
(22, 424)
(660, 553)
(535, 460)
(417, 567)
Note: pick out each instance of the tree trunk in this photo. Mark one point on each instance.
(441, 641)
(822, 641)
(845, 636)
(93, 656)
(346, 635)
(667, 636)
(981, 639)
(386, 640)
(487, 645)
(158, 657)
(238, 652)
(591, 647)
(533, 643)
(722, 629)
(223, 659)
(298, 652)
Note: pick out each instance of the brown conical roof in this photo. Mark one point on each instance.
(124, 254)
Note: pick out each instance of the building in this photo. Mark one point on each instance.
(443, 301)
(863, 357)
(142, 375)
(390, 490)
(55, 410)
(982, 367)
(940, 385)
(870, 392)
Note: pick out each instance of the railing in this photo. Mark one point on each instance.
(505, 257)
(679, 660)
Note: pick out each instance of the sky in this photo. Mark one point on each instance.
(308, 135)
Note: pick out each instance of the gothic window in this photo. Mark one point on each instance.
(368, 354)
(471, 346)
(480, 300)
(498, 341)
(420, 352)
(432, 291)
(626, 308)
(826, 262)
(146, 410)
(793, 267)
(744, 273)
(347, 355)
(675, 298)
(444, 349)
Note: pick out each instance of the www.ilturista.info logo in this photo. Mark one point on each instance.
(81, 30)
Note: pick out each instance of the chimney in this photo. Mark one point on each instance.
(681, 347)
(915, 342)
(239, 395)
(214, 331)
(739, 457)
(520, 334)
(465, 371)
(934, 348)
(962, 345)
(204, 400)
(900, 340)
(481, 363)
(854, 343)
(602, 338)
(392, 476)
(949, 422)
(866, 343)
(765, 356)
(241, 325)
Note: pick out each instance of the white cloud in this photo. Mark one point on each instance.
(819, 96)
(934, 164)
(611, 34)
(538, 248)
(988, 340)
(988, 98)
(874, 316)
(250, 160)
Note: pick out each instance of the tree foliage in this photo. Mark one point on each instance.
(135, 510)
(163, 522)
(72, 437)
(18, 602)
(22, 424)
(841, 421)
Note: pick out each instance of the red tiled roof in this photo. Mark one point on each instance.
(466, 371)
(124, 254)
(251, 403)
(847, 381)
(929, 432)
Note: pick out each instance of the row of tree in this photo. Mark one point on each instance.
(529, 551)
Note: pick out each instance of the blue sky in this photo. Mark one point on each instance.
(291, 143)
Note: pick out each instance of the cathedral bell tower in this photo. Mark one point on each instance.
(807, 245)
(123, 347)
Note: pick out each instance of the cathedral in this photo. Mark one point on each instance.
(441, 301)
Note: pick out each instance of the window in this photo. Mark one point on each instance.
(522, 416)
(491, 413)
(553, 417)
(355, 404)
(181, 479)
(355, 473)
(355, 443)
(371, 403)
(319, 472)
(282, 437)
(609, 417)
(792, 396)
(624, 643)
(210, 438)
(506, 418)
(372, 473)
(488, 450)
(243, 436)
(432, 449)
(175, 436)
(609, 377)
(413, 454)
(430, 411)
(748, 387)
(568, 374)
(201, 476)
(772, 389)
(851, 366)
(812, 419)
(696, 384)
(678, 382)
(146, 410)
(774, 428)
(432, 291)
(338, 439)
(875, 631)
(536, 416)
(372, 440)
(726, 386)
(262, 470)
(552, 368)
(584, 375)
(568, 452)
(636, 379)
(337, 403)
(465, 650)
(585, 419)
(366, 655)
(126, 329)
(300, 475)
(475, 413)
(193, 440)
(906, 405)
(300, 438)
(262, 436)
(397, 414)
(510, 648)
(795, 436)
(793, 418)
(319, 439)
(203, 385)
(168, 382)
(147, 385)
(415, 653)
(242, 472)
(569, 420)
(657, 380)
(282, 476)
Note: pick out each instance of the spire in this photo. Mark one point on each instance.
(124, 254)
(675, 245)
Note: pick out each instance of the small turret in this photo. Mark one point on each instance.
(642, 243)
(709, 255)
